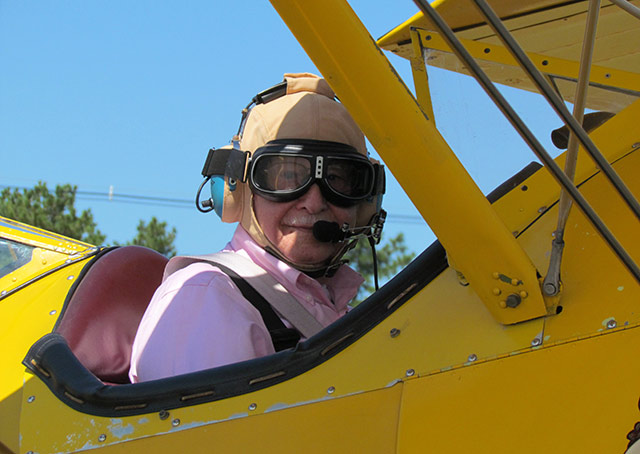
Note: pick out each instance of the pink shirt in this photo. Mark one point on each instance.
(198, 319)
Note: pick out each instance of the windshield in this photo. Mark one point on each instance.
(13, 255)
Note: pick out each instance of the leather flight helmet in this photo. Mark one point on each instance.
(303, 106)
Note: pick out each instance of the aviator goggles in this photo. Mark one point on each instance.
(284, 170)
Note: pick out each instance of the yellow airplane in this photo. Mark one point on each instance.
(521, 337)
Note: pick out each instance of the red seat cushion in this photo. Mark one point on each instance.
(102, 316)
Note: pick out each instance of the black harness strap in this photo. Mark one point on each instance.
(281, 336)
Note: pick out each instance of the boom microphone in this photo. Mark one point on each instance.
(331, 232)
(328, 232)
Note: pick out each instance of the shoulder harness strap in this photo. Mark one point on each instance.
(266, 294)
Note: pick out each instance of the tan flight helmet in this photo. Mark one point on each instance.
(308, 110)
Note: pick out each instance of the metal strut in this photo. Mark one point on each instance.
(556, 102)
(628, 7)
(551, 283)
(528, 136)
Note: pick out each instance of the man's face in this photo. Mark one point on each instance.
(289, 225)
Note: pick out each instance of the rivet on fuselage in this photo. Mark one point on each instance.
(175, 422)
(252, 407)
(395, 332)
(535, 342)
(410, 373)
(31, 399)
(102, 437)
(472, 358)
(612, 324)
(331, 389)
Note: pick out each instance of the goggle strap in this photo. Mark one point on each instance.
(380, 185)
(226, 161)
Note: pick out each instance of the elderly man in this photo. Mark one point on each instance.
(303, 190)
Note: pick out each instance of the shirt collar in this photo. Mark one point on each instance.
(342, 287)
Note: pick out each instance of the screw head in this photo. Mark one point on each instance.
(612, 324)
(331, 389)
(549, 289)
(102, 437)
(513, 300)
(472, 358)
(395, 332)
(31, 399)
(535, 342)
(410, 373)
(252, 407)
(175, 422)
(164, 414)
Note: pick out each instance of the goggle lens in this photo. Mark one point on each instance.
(350, 178)
(281, 173)
(344, 181)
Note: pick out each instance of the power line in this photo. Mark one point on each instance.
(168, 202)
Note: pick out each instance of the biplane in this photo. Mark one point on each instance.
(514, 331)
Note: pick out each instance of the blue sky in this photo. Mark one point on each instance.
(131, 95)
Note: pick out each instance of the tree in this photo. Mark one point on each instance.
(392, 257)
(56, 212)
(51, 211)
(154, 235)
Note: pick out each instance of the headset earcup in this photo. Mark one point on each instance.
(234, 193)
(227, 195)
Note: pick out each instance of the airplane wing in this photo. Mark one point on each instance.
(550, 31)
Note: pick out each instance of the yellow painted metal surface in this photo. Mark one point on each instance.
(420, 76)
(28, 313)
(51, 251)
(502, 68)
(477, 242)
(460, 14)
(365, 422)
(550, 35)
(577, 397)
(25, 316)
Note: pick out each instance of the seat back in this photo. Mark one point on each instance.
(102, 315)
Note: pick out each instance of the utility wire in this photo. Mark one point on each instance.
(168, 202)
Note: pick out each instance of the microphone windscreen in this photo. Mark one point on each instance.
(326, 232)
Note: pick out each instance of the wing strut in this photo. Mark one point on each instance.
(551, 283)
(524, 131)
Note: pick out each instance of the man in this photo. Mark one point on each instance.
(300, 162)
